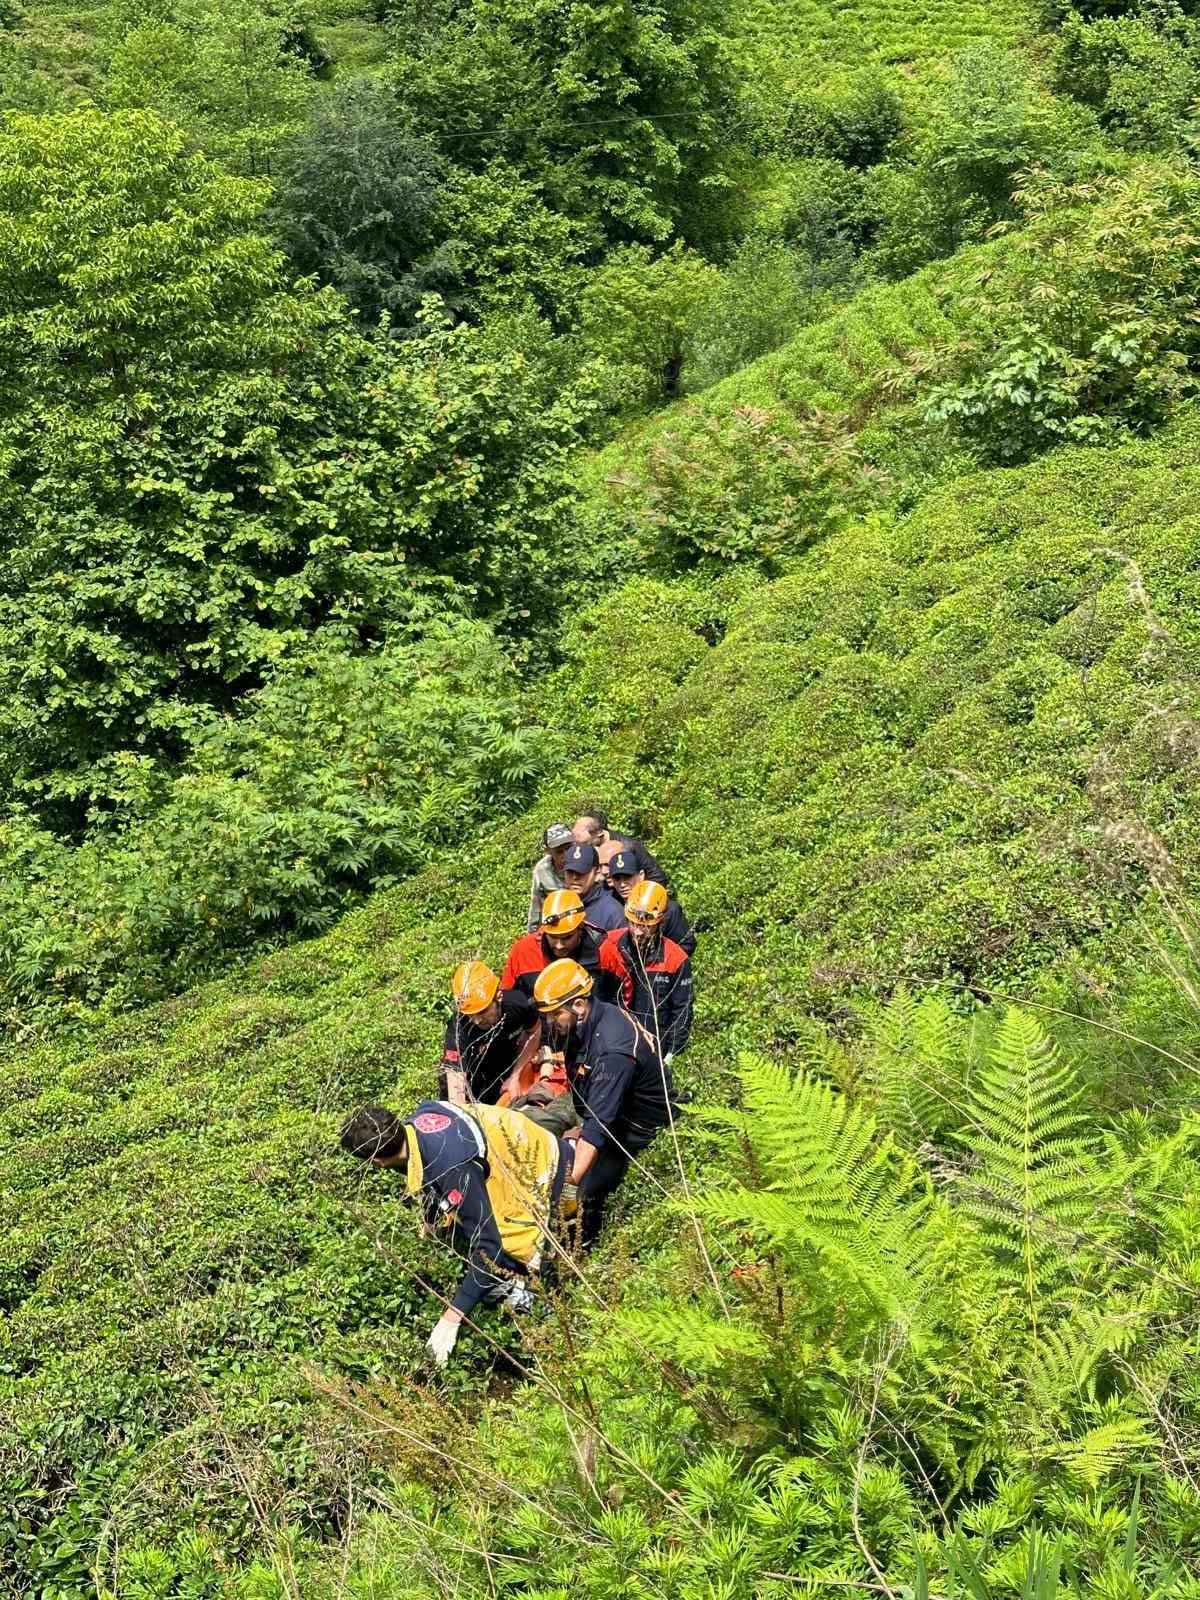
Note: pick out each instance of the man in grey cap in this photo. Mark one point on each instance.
(547, 873)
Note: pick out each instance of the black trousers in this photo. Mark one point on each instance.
(601, 1179)
(606, 1174)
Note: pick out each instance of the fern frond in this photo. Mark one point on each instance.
(1096, 1454)
(1066, 1364)
(1036, 1185)
(828, 1186)
(916, 1054)
(692, 1337)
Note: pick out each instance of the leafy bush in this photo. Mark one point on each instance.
(854, 118)
(751, 487)
(509, 250)
(224, 73)
(1141, 80)
(638, 315)
(767, 292)
(1086, 323)
(341, 774)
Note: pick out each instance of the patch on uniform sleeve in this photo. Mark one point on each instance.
(450, 1055)
(431, 1122)
(454, 1198)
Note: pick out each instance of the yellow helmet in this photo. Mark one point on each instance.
(560, 983)
(475, 986)
(647, 904)
(562, 911)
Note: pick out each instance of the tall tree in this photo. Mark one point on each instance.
(203, 463)
(615, 107)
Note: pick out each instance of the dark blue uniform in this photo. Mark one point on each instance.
(603, 908)
(623, 1092)
(676, 926)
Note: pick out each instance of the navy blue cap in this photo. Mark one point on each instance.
(581, 858)
(623, 865)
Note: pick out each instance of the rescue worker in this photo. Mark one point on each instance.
(564, 931)
(591, 827)
(624, 875)
(581, 872)
(547, 873)
(653, 973)
(619, 1083)
(490, 1036)
(488, 1179)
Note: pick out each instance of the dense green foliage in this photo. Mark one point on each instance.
(779, 422)
(852, 781)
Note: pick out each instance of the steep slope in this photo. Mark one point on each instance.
(836, 397)
(887, 765)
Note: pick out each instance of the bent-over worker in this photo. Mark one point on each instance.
(487, 1178)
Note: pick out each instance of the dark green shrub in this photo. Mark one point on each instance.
(855, 118)
(1087, 323)
(356, 201)
(767, 292)
(1142, 80)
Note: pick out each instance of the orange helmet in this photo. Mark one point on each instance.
(562, 911)
(475, 986)
(647, 904)
(560, 983)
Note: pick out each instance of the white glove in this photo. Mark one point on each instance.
(442, 1340)
(535, 1263)
(519, 1298)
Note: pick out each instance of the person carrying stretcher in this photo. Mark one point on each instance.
(490, 1036)
(620, 1084)
(488, 1181)
(653, 973)
(564, 931)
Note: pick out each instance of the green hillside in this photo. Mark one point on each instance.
(779, 426)
(881, 769)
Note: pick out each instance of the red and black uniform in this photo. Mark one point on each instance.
(531, 954)
(654, 984)
(488, 1055)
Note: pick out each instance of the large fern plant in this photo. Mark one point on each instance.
(827, 1190)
